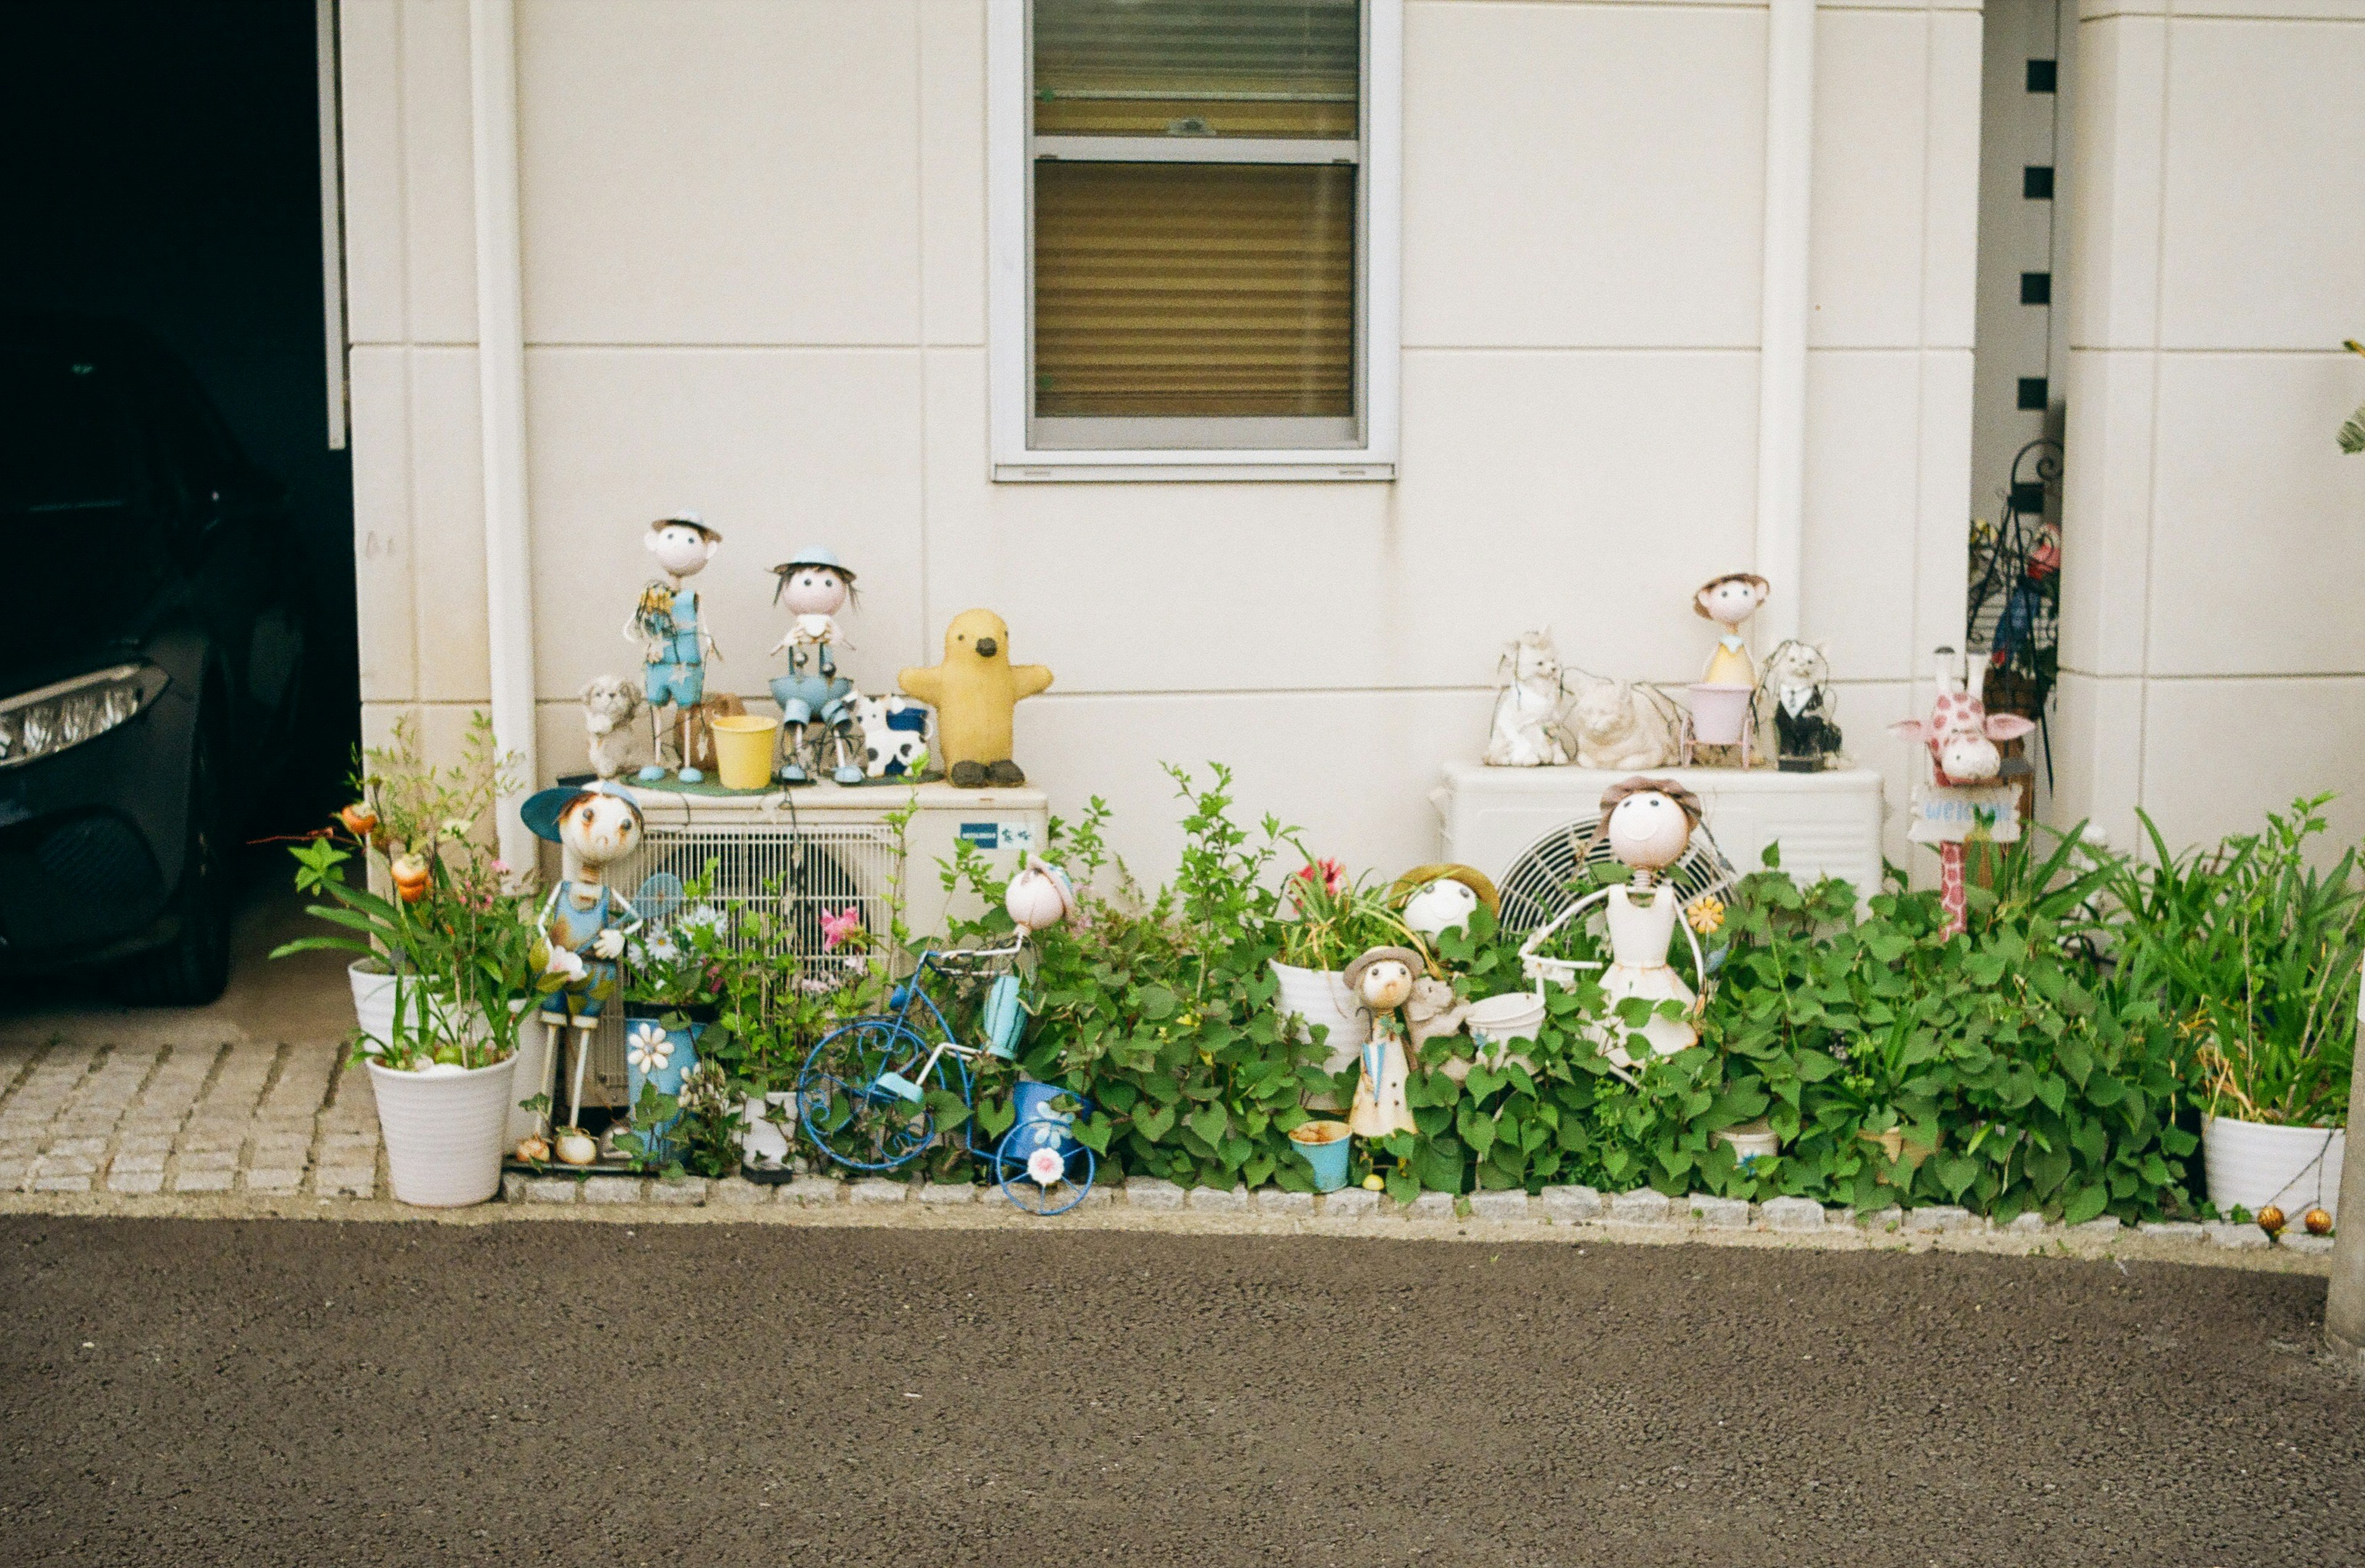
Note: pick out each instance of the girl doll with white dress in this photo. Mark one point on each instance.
(1648, 824)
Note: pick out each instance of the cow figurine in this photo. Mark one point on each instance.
(1960, 731)
(1963, 739)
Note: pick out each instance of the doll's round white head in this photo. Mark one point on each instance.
(1731, 600)
(813, 590)
(682, 546)
(600, 829)
(1384, 984)
(1648, 831)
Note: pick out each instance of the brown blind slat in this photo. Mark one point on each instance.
(1167, 289)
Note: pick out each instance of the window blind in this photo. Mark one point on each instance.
(1182, 289)
(1254, 68)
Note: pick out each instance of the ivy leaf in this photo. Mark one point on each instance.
(2084, 1204)
(1956, 1173)
(1154, 1121)
(1154, 1002)
(1210, 1123)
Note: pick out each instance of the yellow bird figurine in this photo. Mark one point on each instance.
(973, 692)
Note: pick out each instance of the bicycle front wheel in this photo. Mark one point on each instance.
(859, 1098)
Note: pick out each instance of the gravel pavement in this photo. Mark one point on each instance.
(326, 1393)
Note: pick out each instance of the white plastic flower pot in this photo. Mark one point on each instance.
(763, 1143)
(444, 1131)
(1502, 1019)
(1321, 997)
(2253, 1164)
(374, 997)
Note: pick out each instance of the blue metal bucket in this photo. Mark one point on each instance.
(1329, 1158)
(654, 1054)
(1039, 1126)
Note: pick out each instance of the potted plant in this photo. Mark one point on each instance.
(2258, 953)
(674, 972)
(453, 938)
(1332, 920)
(402, 811)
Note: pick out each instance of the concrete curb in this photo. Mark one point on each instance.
(1566, 1215)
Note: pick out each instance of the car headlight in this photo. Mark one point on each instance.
(55, 717)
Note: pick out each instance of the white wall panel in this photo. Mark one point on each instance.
(952, 170)
(369, 61)
(1582, 175)
(2263, 217)
(714, 172)
(1872, 80)
(1862, 477)
(438, 173)
(2293, 737)
(447, 500)
(2255, 543)
(1530, 489)
(778, 448)
(382, 550)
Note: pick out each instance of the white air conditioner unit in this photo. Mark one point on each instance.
(797, 852)
(1515, 823)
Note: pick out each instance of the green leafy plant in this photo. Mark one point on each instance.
(2257, 950)
(460, 941)
(1334, 917)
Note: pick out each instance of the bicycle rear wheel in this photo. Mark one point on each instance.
(860, 1100)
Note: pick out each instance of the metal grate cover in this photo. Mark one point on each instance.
(771, 880)
(1565, 865)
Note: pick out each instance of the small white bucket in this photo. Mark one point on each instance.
(2253, 1164)
(444, 1131)
(1497, 1020)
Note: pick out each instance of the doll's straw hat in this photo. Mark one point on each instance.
(686, 519)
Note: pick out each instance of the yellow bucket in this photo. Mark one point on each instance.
(743, 750)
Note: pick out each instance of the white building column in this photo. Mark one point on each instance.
(500, 368)
(1782, 324)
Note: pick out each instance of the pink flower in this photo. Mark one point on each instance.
(843, 927)
(1329, 873)
(500, 867)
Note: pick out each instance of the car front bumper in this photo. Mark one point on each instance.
(92, 840)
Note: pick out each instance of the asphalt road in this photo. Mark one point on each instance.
(278, 1392)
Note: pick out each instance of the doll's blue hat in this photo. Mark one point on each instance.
(541, 811)
(815, 557)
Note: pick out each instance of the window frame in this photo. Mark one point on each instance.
(1009, 284)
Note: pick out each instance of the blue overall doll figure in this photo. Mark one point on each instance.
(584, 922)
(673, 636)
(815, 586)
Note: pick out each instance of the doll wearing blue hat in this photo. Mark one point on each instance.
(814, 584)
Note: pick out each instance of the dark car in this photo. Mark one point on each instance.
(152, 651)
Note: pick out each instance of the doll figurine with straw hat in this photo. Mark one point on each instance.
(1382, 980)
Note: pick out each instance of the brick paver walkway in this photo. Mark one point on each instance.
(144, 1119)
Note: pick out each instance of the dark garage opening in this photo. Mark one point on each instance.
(165, 169)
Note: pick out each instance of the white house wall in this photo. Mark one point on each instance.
(2215, 667)
(753, 252)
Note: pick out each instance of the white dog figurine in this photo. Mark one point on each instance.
(1618, 728)
(609, 706)
(1527, 731)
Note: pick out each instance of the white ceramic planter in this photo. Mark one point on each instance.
(2253, 1164)
(762, 1142)
(1320, 996)
(444, 1131)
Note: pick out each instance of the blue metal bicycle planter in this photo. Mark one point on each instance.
(865, 1095)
